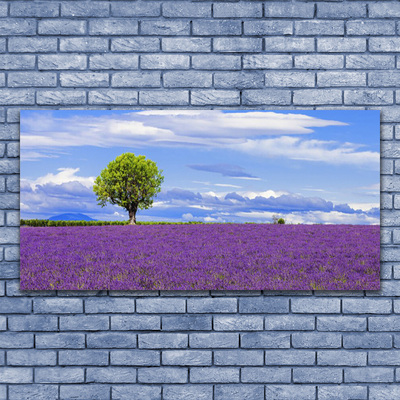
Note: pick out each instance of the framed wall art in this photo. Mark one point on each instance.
(200, 200)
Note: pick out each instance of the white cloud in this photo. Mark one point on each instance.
(67, 191)
(35, 156)
(200, 207)
(364, 206)
(371, 190)
(187, 217)
(225, 124)
(375, 186)
(202, 182)
(160, 204)
(57, 194)
(212, 219)
(213, 194)
(103, 131)
(24, 207)
(64, 191)
(65, 175)
(262, 216)
(266, 194)
(316, 190)
(43, 135)
(227, 185)
(245, 178)
(190, 217)
(312, 217)
(51, 199)
(295, 148)
(261, 206)
(335, 217)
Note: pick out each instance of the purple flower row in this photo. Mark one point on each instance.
(201, 257)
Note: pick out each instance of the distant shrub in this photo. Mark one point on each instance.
(276, 219)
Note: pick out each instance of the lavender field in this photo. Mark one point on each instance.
(201, 257)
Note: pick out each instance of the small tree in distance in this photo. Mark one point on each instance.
(276, 219)
(130, 182)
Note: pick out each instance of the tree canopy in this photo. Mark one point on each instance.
(130, 182)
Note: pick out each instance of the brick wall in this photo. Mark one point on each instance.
(199, 345)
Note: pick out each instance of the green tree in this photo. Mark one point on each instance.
(130, 182)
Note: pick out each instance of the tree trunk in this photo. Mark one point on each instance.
(132, 217)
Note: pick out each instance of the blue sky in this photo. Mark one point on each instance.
(222, 166)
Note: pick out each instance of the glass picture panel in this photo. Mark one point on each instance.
(200, 200)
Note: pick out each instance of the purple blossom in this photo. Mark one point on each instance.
(201, 257)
